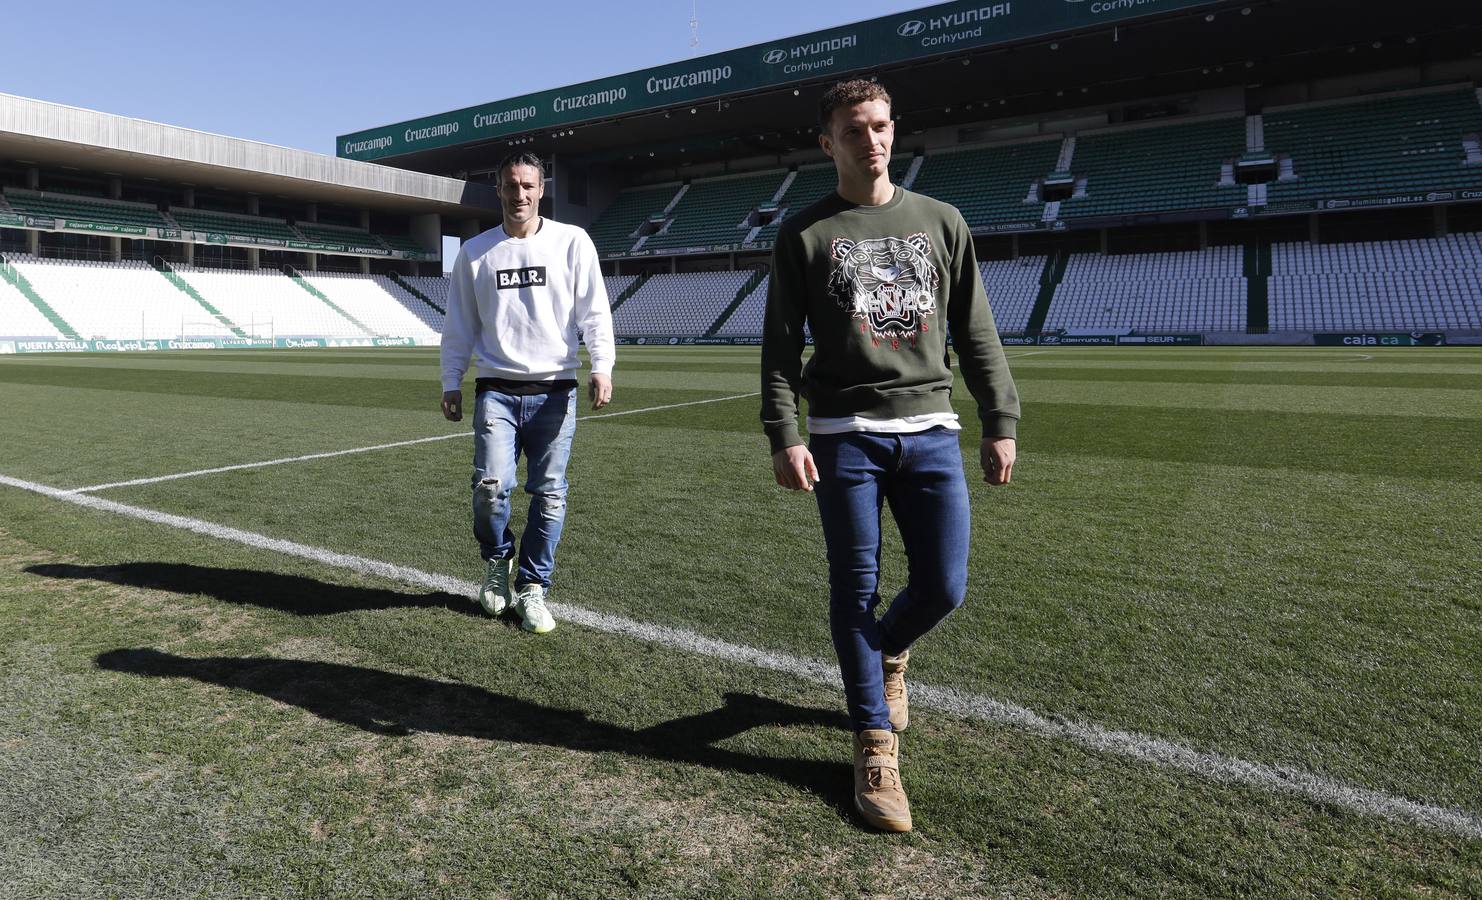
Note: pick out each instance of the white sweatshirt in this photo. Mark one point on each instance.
(519, 305)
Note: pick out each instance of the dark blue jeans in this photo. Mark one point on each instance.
(504, 426)
(920, 476)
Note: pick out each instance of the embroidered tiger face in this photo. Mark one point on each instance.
(888, 283)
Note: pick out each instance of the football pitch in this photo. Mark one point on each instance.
(1222, 638)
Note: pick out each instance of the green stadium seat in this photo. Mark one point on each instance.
(402, 243)
(989, 184)
(87, 209)
(330, 234)
(812, 184)
(614, 230)
(1385, 145)
(231, 223)
(713, 211)
(1158, 169)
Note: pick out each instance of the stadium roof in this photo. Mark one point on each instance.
(52, 134)
(931, 31)
(1026, 58)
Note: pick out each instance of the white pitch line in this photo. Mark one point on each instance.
(1144, 748)
(631, 412)
(133, 482)
(156, 479)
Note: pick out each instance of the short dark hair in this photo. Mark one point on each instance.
(522, 158)
(848, 93)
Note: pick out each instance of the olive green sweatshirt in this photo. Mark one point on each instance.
(878, 288)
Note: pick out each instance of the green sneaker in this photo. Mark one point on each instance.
(494, 593)
(530, 604)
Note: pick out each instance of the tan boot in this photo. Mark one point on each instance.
(895, 689)
(878, 794)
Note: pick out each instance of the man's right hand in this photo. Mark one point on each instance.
(794, 469)
(453, 406)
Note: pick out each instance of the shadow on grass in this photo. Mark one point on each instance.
(269, 590)
(389, 704)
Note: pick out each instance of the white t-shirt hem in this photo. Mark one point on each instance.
(902, 425)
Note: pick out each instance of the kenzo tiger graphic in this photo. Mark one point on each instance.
(890, 284)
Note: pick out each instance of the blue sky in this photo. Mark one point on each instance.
(299, 74)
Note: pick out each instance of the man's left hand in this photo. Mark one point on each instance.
(599, 388)
(997, 456)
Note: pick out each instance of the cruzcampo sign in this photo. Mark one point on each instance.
(932, 30)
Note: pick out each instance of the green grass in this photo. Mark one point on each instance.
(1269, 554)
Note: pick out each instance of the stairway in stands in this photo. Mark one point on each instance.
(1049, 280)
(293, 273)
(406, 286)
(741, 295)
(174, 278)
(630, 290)
(1258, 290)
(12, 275)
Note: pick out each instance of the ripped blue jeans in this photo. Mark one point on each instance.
(539, 426)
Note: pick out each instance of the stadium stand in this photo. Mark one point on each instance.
(616, 230)
(265, 303)
(682, 304)
(116, 301)
(1199, 291)
(1379, 146)
(1415, 285)
(1013, 286)
(402, 243)
(1376, 146)
(1157, 169)
(374, 303)
(810, 185)
(330, 234)
(232, 223)
(406, 295)
(714, 211)
(89, 209)
(746, 320)
(433, 287)
(13, 276)
(1392, 144)
(20, 319)
(616, 284)
(990, 184)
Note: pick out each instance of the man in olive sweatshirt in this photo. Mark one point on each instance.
(880, 275)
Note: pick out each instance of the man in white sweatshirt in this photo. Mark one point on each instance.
(521, 295)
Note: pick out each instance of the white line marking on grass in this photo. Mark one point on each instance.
(630, 412)
(258, 465)
(1129, 744)
(135, 482)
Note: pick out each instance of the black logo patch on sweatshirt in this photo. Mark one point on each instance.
(531, 276)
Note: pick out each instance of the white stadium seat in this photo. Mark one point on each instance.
(1188, 292)
(1410, 285)
(682, 304)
